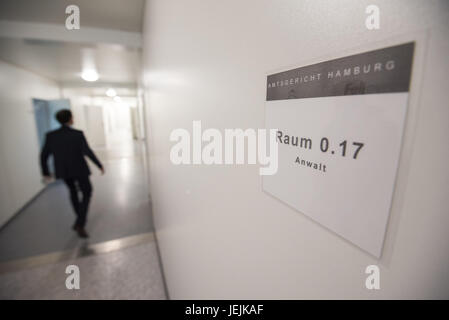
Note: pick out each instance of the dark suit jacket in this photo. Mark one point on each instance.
(68, 147)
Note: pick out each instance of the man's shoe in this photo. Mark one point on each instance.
(75, 227)
(82, 232)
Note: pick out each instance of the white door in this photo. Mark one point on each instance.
(95, 126)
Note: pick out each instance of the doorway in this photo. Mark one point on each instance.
(44, 113)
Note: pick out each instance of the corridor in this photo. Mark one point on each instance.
(38, 244)
(253, 149)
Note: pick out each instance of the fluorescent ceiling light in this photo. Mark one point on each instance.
(111, 92)
(89, 75)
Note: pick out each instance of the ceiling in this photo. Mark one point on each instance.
(63, 61)
(124, 15)
(100, 91)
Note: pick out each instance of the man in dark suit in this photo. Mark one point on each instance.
(68, 147)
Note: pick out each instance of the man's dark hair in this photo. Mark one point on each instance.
(63, 116)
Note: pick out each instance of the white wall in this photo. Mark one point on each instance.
(220, 236)
(19, 147)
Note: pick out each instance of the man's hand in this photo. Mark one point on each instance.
(47, 179)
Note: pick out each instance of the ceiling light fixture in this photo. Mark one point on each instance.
(111, 92)
(89, 75)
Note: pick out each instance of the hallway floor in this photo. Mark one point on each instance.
(119, 208)
(38, 243)
(132, 272)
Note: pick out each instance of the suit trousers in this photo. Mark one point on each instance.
(80, 205)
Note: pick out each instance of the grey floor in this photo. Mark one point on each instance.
(129, 273)
(120, 212)
(119, 208)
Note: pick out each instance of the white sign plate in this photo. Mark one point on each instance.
(340, 125)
